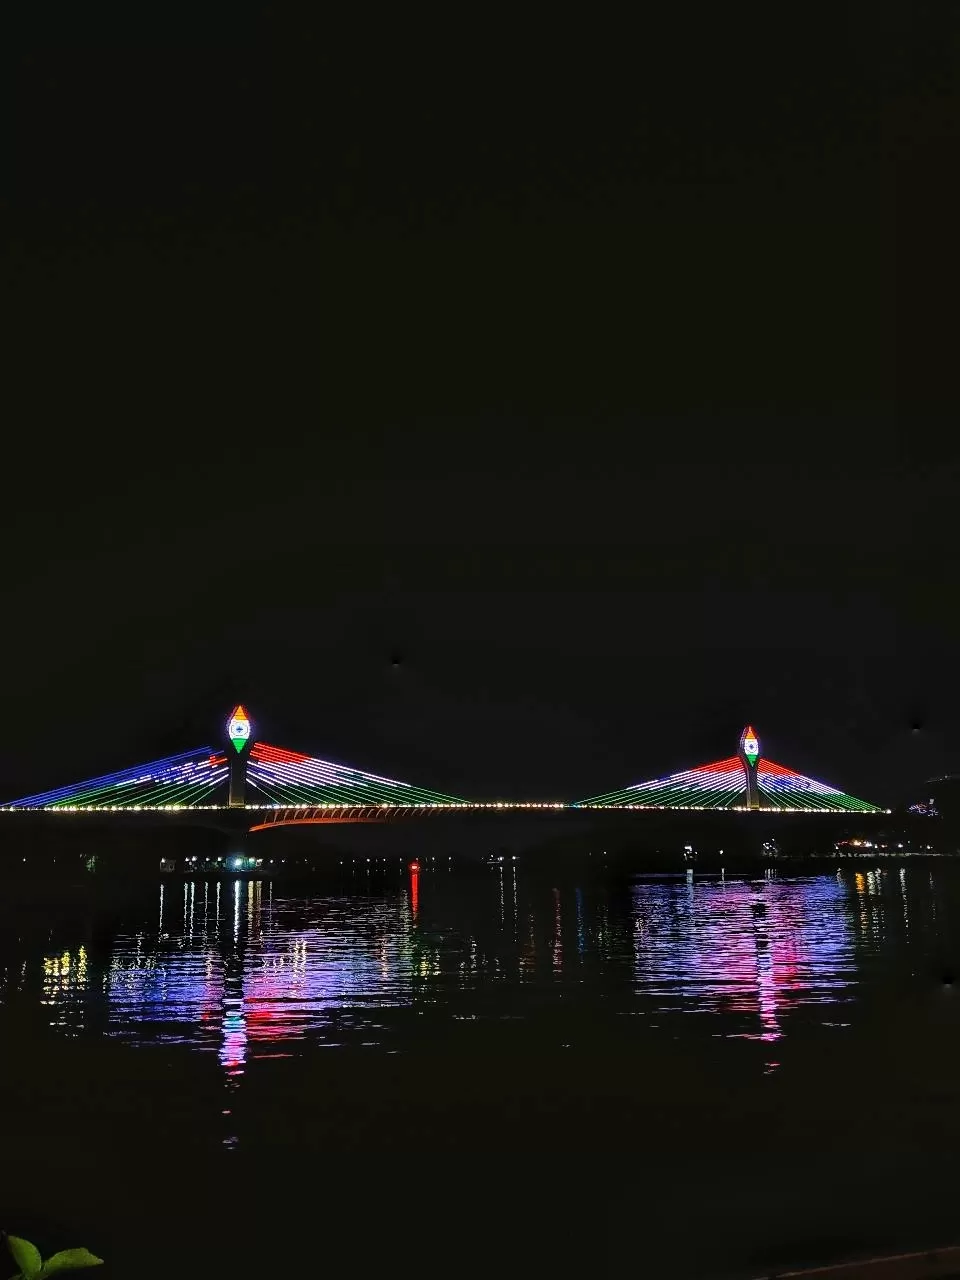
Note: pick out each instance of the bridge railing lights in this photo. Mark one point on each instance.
(459, 806)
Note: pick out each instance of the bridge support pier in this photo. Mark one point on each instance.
(753, 799)
(238, 781)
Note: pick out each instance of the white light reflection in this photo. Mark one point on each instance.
(236, 912)
(557, 949)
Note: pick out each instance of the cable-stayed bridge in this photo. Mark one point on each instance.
(273, 786)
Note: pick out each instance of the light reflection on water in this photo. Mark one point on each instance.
(245, 970)
(761, 947)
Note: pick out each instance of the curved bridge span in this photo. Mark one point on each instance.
(327, 814)
(319, 816)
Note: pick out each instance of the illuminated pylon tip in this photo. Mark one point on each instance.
(750, 745)
(238, 727)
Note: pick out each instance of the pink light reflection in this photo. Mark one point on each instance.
(754, 948)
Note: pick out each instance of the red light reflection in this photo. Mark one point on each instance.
(415, 889)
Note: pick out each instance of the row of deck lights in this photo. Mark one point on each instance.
(329, 805)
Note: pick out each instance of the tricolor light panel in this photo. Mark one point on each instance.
(192, 780)
(277, 777)
(750, 745)
(238, 728)
(723, 785)
(291, 778)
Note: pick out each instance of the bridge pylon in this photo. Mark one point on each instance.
(239, 734)
(749, 753)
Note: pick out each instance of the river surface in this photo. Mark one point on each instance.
(429, 1015)
(240, 970)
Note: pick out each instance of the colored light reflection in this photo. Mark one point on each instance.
(233, 1051)
(228, 969)
(246, 979)
(415, 890)
(752, 948)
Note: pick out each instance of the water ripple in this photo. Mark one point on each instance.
(242, 970)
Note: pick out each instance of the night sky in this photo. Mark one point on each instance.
(514, 411)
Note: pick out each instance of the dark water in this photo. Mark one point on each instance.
(242, 970)
(585, 1069)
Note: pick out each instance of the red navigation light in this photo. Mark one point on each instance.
(414, 866)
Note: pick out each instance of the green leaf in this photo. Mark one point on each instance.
(69, 1260)
(26, 1256)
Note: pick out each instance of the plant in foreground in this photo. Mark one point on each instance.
(32, 1267)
